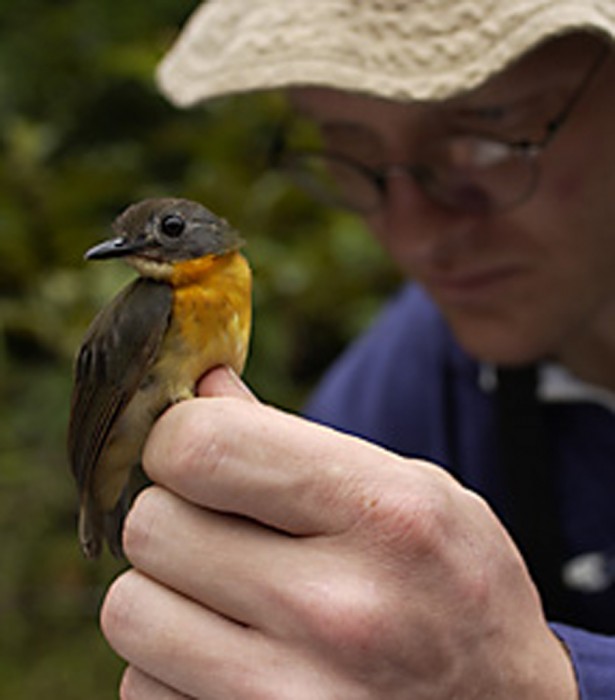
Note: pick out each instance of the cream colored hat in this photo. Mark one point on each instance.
(402, 49)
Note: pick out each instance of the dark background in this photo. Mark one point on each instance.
(84, 133)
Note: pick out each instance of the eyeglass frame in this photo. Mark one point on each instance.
(530, 149)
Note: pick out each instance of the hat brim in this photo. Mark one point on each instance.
(404, 51)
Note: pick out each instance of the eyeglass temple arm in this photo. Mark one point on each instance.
(553, 126)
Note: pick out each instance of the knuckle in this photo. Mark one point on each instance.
(137, 685)
(348, 616)
(201, 441)
(117, 610)
(129, 686)
(413, 516)
(140, 524)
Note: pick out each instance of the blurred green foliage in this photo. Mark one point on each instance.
(84, 133)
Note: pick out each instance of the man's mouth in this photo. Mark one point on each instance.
(470, 286)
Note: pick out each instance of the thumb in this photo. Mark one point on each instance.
(223, 381)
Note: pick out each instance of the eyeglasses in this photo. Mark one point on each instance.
(468, 173)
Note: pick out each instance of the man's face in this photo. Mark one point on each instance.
(530, 281)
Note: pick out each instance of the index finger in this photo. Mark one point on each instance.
(222, 381)
(245, 458)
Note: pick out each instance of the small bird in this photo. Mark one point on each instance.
(187, 312)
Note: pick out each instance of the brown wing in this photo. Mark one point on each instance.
(117, 351)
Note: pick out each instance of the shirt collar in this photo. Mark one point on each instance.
(556, 385)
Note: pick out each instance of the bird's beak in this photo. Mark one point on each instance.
(115, 248)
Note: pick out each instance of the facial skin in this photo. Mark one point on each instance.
(538, 279)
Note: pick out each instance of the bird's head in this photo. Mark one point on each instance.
(155, 233)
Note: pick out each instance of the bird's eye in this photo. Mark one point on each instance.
(173, 225)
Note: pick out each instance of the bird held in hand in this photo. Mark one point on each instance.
(187, 312)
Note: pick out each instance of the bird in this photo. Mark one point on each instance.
(188, 310)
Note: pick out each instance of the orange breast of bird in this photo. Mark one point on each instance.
(211, 320)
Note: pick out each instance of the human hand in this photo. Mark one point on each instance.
(279, 559)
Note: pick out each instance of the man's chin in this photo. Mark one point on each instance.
(502, 343)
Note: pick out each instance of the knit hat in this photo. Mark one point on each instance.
(400, 49)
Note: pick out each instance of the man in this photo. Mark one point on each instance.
(477, 141)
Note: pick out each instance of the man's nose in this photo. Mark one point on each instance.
(428, 227)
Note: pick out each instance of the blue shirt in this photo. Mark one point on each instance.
(408, 386)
